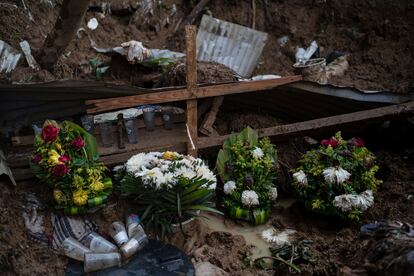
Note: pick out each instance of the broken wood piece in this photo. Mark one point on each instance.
(310, 126)
(193, 15)
(103, 105)
(206, 127)
(67, 24)
(191, 77)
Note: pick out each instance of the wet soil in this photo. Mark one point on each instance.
(376, 34)
(336, 245)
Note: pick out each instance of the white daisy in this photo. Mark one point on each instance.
(229, 187)
(250, 198)
(279, 239)
(347, 202)
(257, 153)
(336, 175)
(273, 193)
(300, 177)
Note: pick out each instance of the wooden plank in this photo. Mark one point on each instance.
(193, 14)
(207, 126)
(191, 77)
(306, 127)
(104, 105)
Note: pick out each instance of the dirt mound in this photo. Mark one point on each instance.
(376, 34)
(207, 72)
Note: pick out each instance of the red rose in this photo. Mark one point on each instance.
(60, 170)
(50, 133)
(78, 143)
(357, 142)
(330, 142)
(37, 158)
(64, 158)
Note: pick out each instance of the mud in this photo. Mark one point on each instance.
(376, 34)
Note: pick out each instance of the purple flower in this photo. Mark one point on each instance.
(50, 133)
(60, 170)
(78, 143)
(36, 158)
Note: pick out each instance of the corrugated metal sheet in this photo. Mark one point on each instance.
(9, 57)
(235, 46)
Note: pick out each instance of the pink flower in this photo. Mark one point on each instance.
(36, 158)
(64, 158)
(50, 133)
(78, 143)
(357, 142)
(330, 142)
(60, 170)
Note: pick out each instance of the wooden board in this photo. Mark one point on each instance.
(306, 127)
(104, 105)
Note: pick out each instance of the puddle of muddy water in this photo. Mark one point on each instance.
(252, 234)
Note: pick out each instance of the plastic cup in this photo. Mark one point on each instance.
(37, 128)
(118, 233)
(74, 249)
(88, 123)
(149, 118)
(135, 244)
(131, 130)
(167, 117)
(99, 244)
(133, 225)
(106, 134)
(99, 261)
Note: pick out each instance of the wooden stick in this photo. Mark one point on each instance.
(191, 77)
(306, 127)
(207, 126)
(104, 105)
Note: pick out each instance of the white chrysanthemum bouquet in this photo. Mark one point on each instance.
(247, 167)
(167, 188)
(338, 178)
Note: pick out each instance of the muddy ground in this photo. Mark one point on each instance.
(336, 245)
(376, 34)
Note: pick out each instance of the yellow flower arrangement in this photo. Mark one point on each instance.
(96, 185)
(54, 157)
(169, 155)
(80, 197)
(58, 196)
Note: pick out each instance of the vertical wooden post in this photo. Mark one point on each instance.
(190, 39)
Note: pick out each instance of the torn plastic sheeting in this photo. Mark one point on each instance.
(28, 55)
(235, 46)
(4, 168)
(154, 53)
(9, 57)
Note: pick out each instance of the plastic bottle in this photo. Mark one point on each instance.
(99, 261)
(118, 233)
(74, 249)
(135, 244)
(133, 225)
(99, 244)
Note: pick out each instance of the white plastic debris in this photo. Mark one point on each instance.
(28, 55)
(135, 51)
(4, 168)
(302, 55)
(279, 239)
(9, 57)
(93, 23)
(265, 77)
(282, 41)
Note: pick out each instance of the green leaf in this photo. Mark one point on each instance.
(91, 146)
(204, 208)
(249, 135)
(179, 205)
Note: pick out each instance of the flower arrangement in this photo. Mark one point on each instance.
(338, 178)
(247, 167)
(167, 187)
(65, 157)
